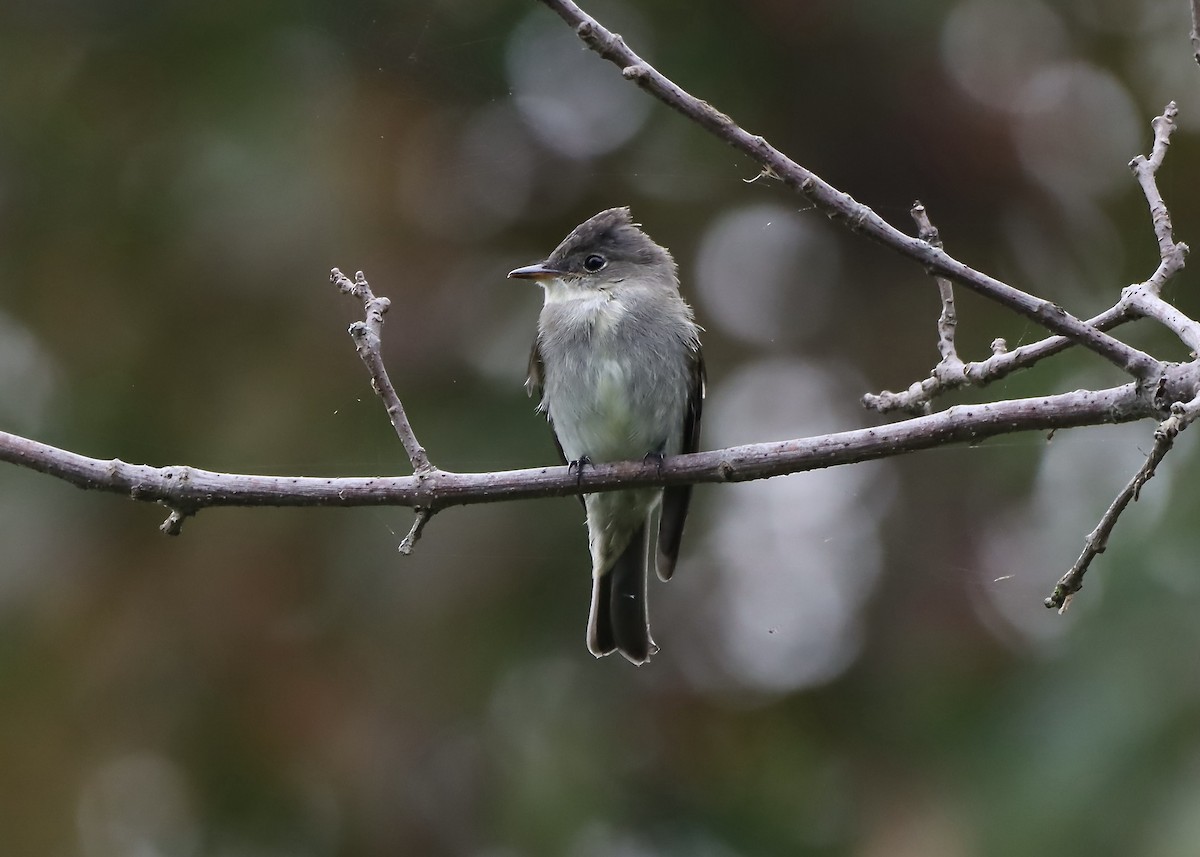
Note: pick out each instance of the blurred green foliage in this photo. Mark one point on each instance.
(176, 180)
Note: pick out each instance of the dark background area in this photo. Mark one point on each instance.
(854, 662)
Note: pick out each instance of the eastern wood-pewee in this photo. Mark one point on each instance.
(618, 369)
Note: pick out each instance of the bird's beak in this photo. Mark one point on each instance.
(535, 272)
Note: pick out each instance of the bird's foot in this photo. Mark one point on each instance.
(577, 466)
(657, 457)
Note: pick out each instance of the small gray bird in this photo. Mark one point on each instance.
(618, 370)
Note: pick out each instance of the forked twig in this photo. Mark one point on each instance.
(367, 341)
(1182, 415)
(367, 336)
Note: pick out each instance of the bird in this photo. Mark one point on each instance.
(618, 370)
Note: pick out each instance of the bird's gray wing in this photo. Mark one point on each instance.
(676, 498)
(534, 386)
(534, 375)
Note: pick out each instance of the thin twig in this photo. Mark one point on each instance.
(842, 207)
(1146, 170)
(418, 526)
(948, 319)
(949, 371)
(173, 525)
(1097, 540)
(1196, 30)
(367, 341)
(1145, 299)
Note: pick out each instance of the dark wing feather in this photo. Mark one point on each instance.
(534, 380)
(618, 619)
(536, 371)
(676, 499)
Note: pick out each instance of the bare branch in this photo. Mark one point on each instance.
(948, 373)
(1146, 170)
(983, 372)
(1136, 300)
(1139, 300)
(1181, 416)
(842, 207)
(1196, 30)
(1144, 299)
(189, 488)
(367, 341)
(948, 320)
(418, 526)
(185, 490)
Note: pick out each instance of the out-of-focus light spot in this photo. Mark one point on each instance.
(529, 709)
(473, 186)
(1172, 827)
(556, 731)
(314, 71)
(1161, 73)
(244, 195)
(1075, 246)
(665, 165)
(599, 839)
(914, 822)
(499, 346)
(444, 786)
(255, 187)
(1026, 550)
(793, 558)
(137, 805)
(764, 274)
(575, 103)
(1076, 130)
(36, 558)
(39, 564)
(27, 377)
(991, 48)
(495, 158)
(1125, 18)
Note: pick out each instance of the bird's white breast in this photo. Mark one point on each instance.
(614, 380)
(593, 408)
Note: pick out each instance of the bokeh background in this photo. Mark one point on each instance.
(854, 662)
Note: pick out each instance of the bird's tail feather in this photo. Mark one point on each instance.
(618, 619)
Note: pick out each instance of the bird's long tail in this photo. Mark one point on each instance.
(618, 620)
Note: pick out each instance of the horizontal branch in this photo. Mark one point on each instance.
(190, 489)
(841, 206)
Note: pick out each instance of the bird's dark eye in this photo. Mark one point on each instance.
(594, 263)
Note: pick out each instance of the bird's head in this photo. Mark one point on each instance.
(603, 252)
